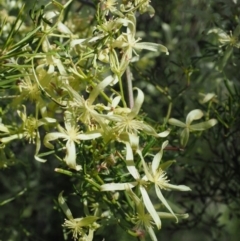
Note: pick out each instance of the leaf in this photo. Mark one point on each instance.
(64, 206)
(12, 198)
(164, 166)
(223, 61)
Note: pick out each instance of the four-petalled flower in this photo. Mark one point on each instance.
(188, 127)
(72, 135)
(156, 175)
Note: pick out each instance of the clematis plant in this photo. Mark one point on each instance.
(189, 127)
(70, 77)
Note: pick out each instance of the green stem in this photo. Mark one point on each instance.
(62, 171)
(168, 113)
(148, 146)
(91, 181)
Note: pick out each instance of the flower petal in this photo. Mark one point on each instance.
(38, 146)
(133, 170)
(129, 152)
(70, 157)
(157, 158)
(145, 167)
(182, 188)
(113, 117)
(89, 135)
(203, 125)
(3, 128)
(151, 233)
(163, 200)
(62, 28)
(51, 137)
(100, 87)
(116, 101)
(164, 133)
(134, 141)
(12, 137)
(74, 42)
(74, 94)
(193, 115)
(137, 104)
(87, 221)
(208, 97)
(184, 136)
(117, 186)
(175, 122)
(149, 129)
(46, 120)
(151, 47)
(149, 206)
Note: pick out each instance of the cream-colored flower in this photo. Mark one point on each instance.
(108, 6)
(126, 122)
(85, 109)
(78, 226)
(144, 220)
(29, 131)
(130, 45)
(188, 127)
(157, 175)
(139, 182)
(71, 135)
(231, 39)
(29, 89)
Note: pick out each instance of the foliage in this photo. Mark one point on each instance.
(67, 104)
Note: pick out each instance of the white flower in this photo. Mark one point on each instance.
(144, 220)
(188, 127)
(72, 135)
(129, 44)
(230, 39)
(157, 176)
(141, 183)
(84, 108)
(78, 226)
(108, 5)
(29, 131)
(126, 122)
